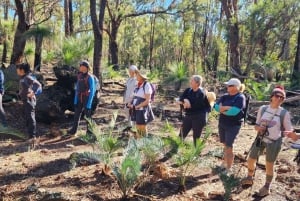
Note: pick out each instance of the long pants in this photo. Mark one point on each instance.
(79, 108)
(29, 112)
(2, 112)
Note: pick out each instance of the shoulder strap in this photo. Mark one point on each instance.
(281, 116)
(263, 109)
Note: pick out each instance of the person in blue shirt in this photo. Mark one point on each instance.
(84, 94)
(196, 107)
(29, 87)
(2, 112)
(230, 107)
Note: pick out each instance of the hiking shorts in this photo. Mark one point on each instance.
(272, 150)
(228, 133)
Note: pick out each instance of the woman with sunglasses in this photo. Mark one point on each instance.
(230, 107)
(270, 131)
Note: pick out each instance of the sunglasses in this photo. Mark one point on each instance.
(278, 96)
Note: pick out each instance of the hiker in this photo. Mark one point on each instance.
(2, 112)
(29, 87)
(196, 107)
(230, 106)
(131, 84)
(141, 111)
(271, 121)
(84, 94)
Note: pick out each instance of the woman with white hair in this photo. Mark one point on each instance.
(196, 107)
(230, 107)
(131, 84)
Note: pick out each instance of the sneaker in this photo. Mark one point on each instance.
(248, 181)
(264, 191)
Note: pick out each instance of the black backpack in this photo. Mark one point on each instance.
(245, 110)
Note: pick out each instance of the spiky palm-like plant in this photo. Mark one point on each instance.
(128, 171)
(188, 158)
(177, 74)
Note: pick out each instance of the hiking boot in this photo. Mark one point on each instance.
(264, 191)
(248, 181)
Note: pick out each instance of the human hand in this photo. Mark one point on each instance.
(292, 135)
(186, 103)
(260, 129)
(223, 109)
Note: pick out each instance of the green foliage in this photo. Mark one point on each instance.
(12, 132)
(110, 73)
(38, 31)
(84, 158)
(260, 91)
(168, 128)
(188, 158)
(177, 74)
(127, 173)
(151, 148)
(229, 183)
(75, 49)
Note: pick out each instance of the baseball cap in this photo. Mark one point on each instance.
(133, 68)
(84, 63)
(234, 81)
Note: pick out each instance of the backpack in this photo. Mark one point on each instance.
(281, 115)
(95, 80)
(153, 87)
(246, 108)
(33, 77)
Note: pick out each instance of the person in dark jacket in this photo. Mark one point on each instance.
(2, 112)
(84, 94)
(196, 106)
(230, 107)
(29, 87)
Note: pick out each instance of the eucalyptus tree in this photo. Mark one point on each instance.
(68, 13)
(119, 10)
(30, 13)
(3, 30)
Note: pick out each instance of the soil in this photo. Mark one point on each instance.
(45, 173)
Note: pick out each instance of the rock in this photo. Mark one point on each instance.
(283, 169)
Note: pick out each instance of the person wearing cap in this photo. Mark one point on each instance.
(230, 106)
(196, 107)
(269, 128)
(84, 94)
(140, 105)
(131, 84)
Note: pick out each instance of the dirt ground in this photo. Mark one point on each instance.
(45, 173)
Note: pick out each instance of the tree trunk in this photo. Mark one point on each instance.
(230, 9)
(113, 46)
(71, 22)
(98, 35)
(152, 31)
(38, 52)
(67, 19)
(5, 44)
(297, 57)
(19, 40)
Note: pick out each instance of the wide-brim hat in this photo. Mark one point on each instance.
(142, 74)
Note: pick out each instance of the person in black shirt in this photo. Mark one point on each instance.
(196, 106)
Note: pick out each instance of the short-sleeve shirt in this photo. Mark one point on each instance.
(237, 100)
(140, 91)
(271, 119)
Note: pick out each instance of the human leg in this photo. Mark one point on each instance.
(141, 130)
(186, 127)
(78, 111)
(230, 134)
(29, 110)
(198, 123)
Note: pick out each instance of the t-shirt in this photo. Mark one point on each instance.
(273, 122)
(139, 93)
(238, 101)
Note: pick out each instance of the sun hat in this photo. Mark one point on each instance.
(142, 74)
(233, 81)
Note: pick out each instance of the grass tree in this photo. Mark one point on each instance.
(177, 74)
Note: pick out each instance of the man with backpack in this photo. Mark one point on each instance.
(272, 120)
(29, 87)
(84, 93)
(196, 106)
